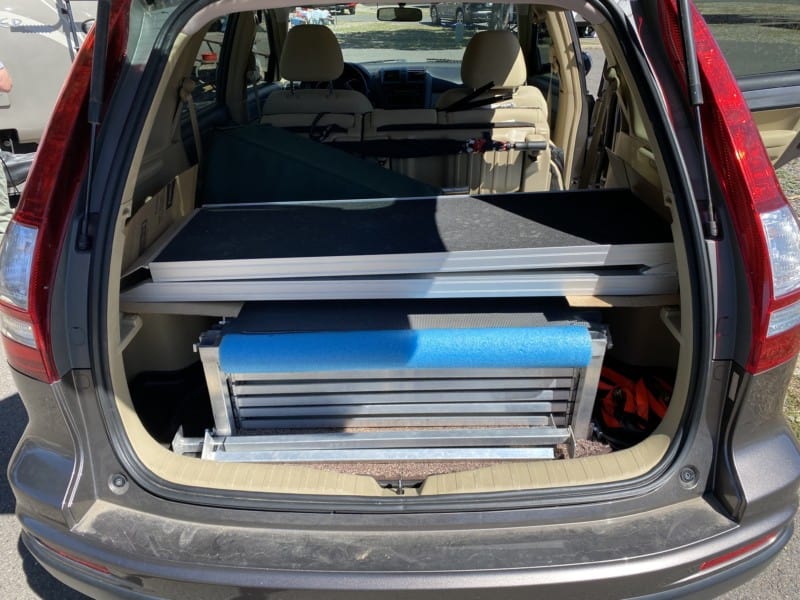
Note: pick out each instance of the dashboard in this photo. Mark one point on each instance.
(403, 85)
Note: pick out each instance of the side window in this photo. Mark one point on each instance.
(537, 57)
(756, 37)
(205, 73)
(543, 44)
(261, 51)
(503, 16)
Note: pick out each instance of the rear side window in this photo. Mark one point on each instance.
(205, 72)
(261, 44)
(756, 37)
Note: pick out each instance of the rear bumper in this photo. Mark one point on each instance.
(147, 546)
(647, 556)
(101, 587)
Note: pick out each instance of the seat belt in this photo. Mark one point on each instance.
(464, 102)
(549, 95)
(601, 119)
(187, 87)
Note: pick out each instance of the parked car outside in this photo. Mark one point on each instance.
(37, 43)
(584, 28)
(340, 9)
(347, 7)
(461, 12)
(374, 310)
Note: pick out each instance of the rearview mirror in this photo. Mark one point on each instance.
(399, 13)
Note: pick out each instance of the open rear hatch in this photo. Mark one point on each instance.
(336, 302)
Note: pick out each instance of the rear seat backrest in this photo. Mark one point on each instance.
(311, 54)
(444, 148)
(413, 130)
(509, 110)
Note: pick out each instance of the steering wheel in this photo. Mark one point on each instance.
(354, 77)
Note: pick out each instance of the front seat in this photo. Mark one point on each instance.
(493, 66)
(311, 54)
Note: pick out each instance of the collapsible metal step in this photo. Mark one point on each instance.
(379, 446)
(397, 401)
(381, 395)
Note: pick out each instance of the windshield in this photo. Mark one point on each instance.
(441, 35)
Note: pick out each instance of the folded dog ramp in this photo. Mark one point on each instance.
(462, 386)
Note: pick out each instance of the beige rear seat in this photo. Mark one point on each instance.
(408, 126)
(497, 141)
(501, 131)
(496, 98)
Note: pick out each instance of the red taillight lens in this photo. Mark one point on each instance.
(752, 193)
(20, 335)
(32, 247)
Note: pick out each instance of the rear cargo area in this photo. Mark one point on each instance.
(336, 316)
(401, 338)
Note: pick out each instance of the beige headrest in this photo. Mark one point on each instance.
(311, 53)
(496, 56)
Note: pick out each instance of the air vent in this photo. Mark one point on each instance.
(416, 75)
(391, 76)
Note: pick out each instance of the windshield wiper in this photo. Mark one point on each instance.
(386, 60)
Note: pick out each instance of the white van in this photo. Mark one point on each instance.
(38, 40)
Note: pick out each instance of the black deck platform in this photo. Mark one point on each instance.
(559, 230)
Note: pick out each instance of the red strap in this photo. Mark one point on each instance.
(614, 377)
(645, 399)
